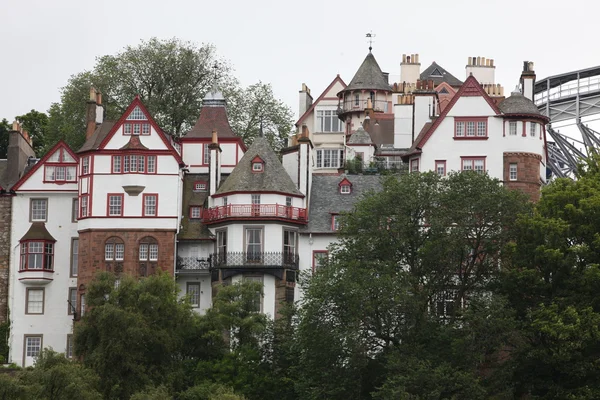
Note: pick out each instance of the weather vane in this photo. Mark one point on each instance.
(370, 37)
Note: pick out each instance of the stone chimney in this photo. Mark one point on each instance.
(482, 69)
(19, 151)
(305, 100)
(528, 80)
(410, 69)
(90, 115)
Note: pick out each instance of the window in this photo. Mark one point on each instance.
(512, 128)
(145, 129)
(254, 244)
(257, 167)
(74, 209)
(38, 210)
(134, 164)
(224, 201)
(115, 205)
(289, 246)
(151, 164)
(84, 207)
(470, 127)
(148, 249)
(476, 164)
(114, 249)
(335, 222)
(288, 201)
(200, 186)
(319, 257)
(257, 303)
(69, 348)
(37, 255)
(72, 303)
(414, 165)
(74, 257)
(35, 301)
(532, 129)
(150, 205)
(206, 153)
(58, 173)
(116, 164)
(445, 304)
(328, 121)
(81, 305)
(193, 292)
(345, 189)
(137, 114)
(255, 204)
(126, 129)
(440, 167)
(330, 158)
(356, 100)
(33, 346)
(512, 171)
(85, 165)
(221, 245)
(195, 212)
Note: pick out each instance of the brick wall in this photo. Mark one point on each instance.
(528, 173)
(91, 253)
(5, 217)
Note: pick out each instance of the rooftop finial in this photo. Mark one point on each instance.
(370, 37)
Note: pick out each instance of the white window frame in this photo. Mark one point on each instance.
(330, 158)
(512, 128)
(194, 295)
(328, 121)
(512, 171)
(533, 129)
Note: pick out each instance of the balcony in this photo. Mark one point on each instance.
(350, 105)
(192, 265)
(254, 212)
(280, 265)
(34, 276)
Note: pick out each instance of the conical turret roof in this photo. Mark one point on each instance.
(369, 76)
(212, 116)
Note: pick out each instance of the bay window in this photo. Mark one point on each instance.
(37, 255)
(330, 158)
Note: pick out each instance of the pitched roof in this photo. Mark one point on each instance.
(518, 104)
(369, 76)
(439, 74)
(314, 104)
(213, 115)
(381, 131)
(326, 199)
(273, 179)
(360, 137)
(38, 231)
(97, 137)
(193, 229)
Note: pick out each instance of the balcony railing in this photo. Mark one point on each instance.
(254, 211)
(237, 260)
(350, 105)
(192, 264)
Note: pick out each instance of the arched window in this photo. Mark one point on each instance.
(114, 254)
(148, 255)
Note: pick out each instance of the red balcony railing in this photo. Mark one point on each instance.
(254, 211)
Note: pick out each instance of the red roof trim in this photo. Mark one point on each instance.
(470, 88)
(60, 144)
(256, 192)
(138, 102)
(321, 97)
(345, 181)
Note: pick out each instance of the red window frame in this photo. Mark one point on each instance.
(192, 208)
(465, 121)
(436, 167)
(112, 167)
(132, 126)
(473, 158)
(47, 255)
(108, 196)
(259, 163)
(142, 164)
(61, 163)
(314, 253)
(205, 154)
(84, 202)
(85, 165)
(146, 196)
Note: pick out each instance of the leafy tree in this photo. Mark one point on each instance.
(210, 392)
(12, 388)
(4, 129)
(36, 125)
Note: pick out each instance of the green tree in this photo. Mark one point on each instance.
(5, 127)
(409, 258)
(134, 336)
(36, 125)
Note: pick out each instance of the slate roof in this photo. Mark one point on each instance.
(381, 131)
(38, 231)
(97, 137)
(273, 179)
(518, 104)
(369, 76)
(360, 137)
(327, 200)
(212, 116)
(193, 229)
(445, 75)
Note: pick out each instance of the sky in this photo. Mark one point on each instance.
(285, 43)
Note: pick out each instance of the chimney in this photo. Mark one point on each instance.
(305, 100)
(18, 152)
(482, 69)
(304, 177)
(410, 68)
(99, 109)
(90, 116)
(214, 169)
(528, 80)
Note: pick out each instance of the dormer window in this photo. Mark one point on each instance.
(200, 186)
(345, 186)
(258, 165)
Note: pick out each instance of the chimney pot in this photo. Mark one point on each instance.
(92, 94)
(403, 58)
(215, 139)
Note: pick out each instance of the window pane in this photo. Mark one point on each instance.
(151, 164)
(72, 300)
(460, 128)
(109, 251)
(481, 128)
(193, 291)
(143, 252)
(35, 301)
(153, 252)
(74, 257)
(119, 251)
(33, 346)
(470, 128)
(49, 173)
(38, 209)
(478, 165)
(117, 164)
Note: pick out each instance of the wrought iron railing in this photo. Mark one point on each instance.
(192, 263)
(254, 260)
(353, 105)
(257, 211)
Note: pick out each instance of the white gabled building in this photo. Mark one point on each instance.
(44, 262)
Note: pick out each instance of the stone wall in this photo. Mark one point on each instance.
(5, 217)
(528, 173)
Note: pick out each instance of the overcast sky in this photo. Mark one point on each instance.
(43, 42)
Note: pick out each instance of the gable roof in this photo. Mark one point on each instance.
(438, 74)
(273, 179)
(470, 88)
(445, 86)
(38, 165)
(360, 137)
(314, 104)
(369, 76)
(103, 134)
(213, 115)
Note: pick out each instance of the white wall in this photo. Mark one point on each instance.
(205, 290)
(268, 293)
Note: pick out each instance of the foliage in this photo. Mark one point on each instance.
(36, 125)
(4, 129)
(209, 391)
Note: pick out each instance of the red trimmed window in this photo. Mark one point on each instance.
(136, 128)
(114, 205)
(60, 167)
(150, 205)
(470, 128)
(476, 164)
(258, 165)
(116, 164)
(83, 206)
(319, 258)
(195, 212)
(345, 186)
(440, 167)
(85, 165)
(414, 165)
(37, 255)
(200, 186)
(134, 164)
(205, 154)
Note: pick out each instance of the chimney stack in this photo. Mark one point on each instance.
(410, 69)
(528, 80)
(305, 100)
(214, 169)
(482, 69)
(90, 117)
